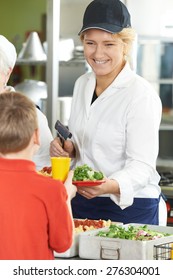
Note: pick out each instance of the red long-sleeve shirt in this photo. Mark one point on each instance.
(34, 217)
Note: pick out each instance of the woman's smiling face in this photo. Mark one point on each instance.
(103, 52)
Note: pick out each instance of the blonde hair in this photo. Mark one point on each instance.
(18, 121)
(127, 35)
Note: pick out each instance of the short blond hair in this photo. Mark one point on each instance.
(18, 121)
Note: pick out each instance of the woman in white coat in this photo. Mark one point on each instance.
(7, 61)
(115, 118)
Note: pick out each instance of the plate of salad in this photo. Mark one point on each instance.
(85, 176)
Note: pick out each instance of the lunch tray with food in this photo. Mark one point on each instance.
(127, 242)
(82, 226)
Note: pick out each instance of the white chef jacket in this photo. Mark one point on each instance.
(42, 156)
(118, 133)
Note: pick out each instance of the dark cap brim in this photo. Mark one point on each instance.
(105, 27)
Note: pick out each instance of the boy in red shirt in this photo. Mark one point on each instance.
(35, 211)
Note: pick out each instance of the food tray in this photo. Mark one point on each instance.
(123, 249)
(73, 251)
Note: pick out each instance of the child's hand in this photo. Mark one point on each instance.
(71, 189)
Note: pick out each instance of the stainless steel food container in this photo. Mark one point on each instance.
(95, 247)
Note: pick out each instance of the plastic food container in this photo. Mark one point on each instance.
(123, 249)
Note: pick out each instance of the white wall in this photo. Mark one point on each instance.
(147, 15)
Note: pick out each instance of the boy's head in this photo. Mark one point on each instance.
(18, 122)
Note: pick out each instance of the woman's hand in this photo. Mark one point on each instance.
(56, 149)
(109, 187)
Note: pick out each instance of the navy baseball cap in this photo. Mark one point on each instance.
(108, 15)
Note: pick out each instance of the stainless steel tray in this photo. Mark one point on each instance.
(122, 249)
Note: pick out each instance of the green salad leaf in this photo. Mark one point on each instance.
(86, 173)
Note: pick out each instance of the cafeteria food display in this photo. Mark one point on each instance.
(82, 226)
(127, 242)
